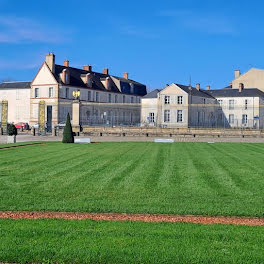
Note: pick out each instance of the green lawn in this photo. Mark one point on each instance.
(87, 241)
(179, 178)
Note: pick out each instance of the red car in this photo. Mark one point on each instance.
(21, 125)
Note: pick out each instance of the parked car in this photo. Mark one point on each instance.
(61, 125)
(20, 125)
(36, 125)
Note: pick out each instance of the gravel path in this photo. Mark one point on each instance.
(30, 138)
(249, 221)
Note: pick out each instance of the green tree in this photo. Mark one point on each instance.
(11, 130)
(67, 133)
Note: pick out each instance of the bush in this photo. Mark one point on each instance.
(11, 130)
(67, 133)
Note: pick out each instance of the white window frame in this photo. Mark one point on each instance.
(231, 119)
(244, 119)
(89, 96)
(109, 98)
(220, 102)
(36, 92)
(166, 116)
(231, 104)
(246, 104)
(180, 100)
(51, 92)
(179, 116)
(166, 99)
(152, 117)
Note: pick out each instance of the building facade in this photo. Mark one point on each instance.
(17, 94)
(179, 106)
(104, 99)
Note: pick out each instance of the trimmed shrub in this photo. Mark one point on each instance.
(11, 130)
(67, 133)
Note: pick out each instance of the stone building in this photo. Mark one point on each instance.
(239, 105)
(178, 106)
(104, 99)
(17, 94)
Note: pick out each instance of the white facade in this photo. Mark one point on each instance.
(174, 107)
(177, 107)
(18, 103)
(105, 99)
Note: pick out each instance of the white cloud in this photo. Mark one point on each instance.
(19, 29)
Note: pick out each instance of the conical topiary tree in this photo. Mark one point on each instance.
(67, 133)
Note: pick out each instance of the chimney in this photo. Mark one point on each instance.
(125, 75)
(237, 73)
(241, 87)
(198, 86)
(66, 63)
(208, 87)
(50, 60)
(87, 67)
(105, 71)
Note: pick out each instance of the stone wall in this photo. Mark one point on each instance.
(169, 132)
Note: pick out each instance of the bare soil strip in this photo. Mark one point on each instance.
(24, 145)
(249, 221)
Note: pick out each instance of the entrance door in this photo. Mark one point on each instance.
(49, 118)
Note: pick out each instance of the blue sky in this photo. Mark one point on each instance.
(157, 42)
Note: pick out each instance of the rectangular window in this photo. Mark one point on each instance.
(231, 104)
(166, 115)
(109, 98)
(132, 100)
(220, 102)
(67, 93)
(231, 119)
(166, 99)
(36, 92)
(51, 92)
(151, 117)
(115, 98)
(179, 116)
(204, 101)
(246, 104)
(124, 116)
(89, 96)
(179, 100)
(244, 119)
(124, 99)
(97, 96)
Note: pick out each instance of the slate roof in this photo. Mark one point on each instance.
(76, 80)
(247, 92)
(152, 94)
(193, 91)
(15, 85)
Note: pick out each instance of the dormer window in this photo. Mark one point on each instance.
(88, 79)
(65, 77)
(132, 88)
